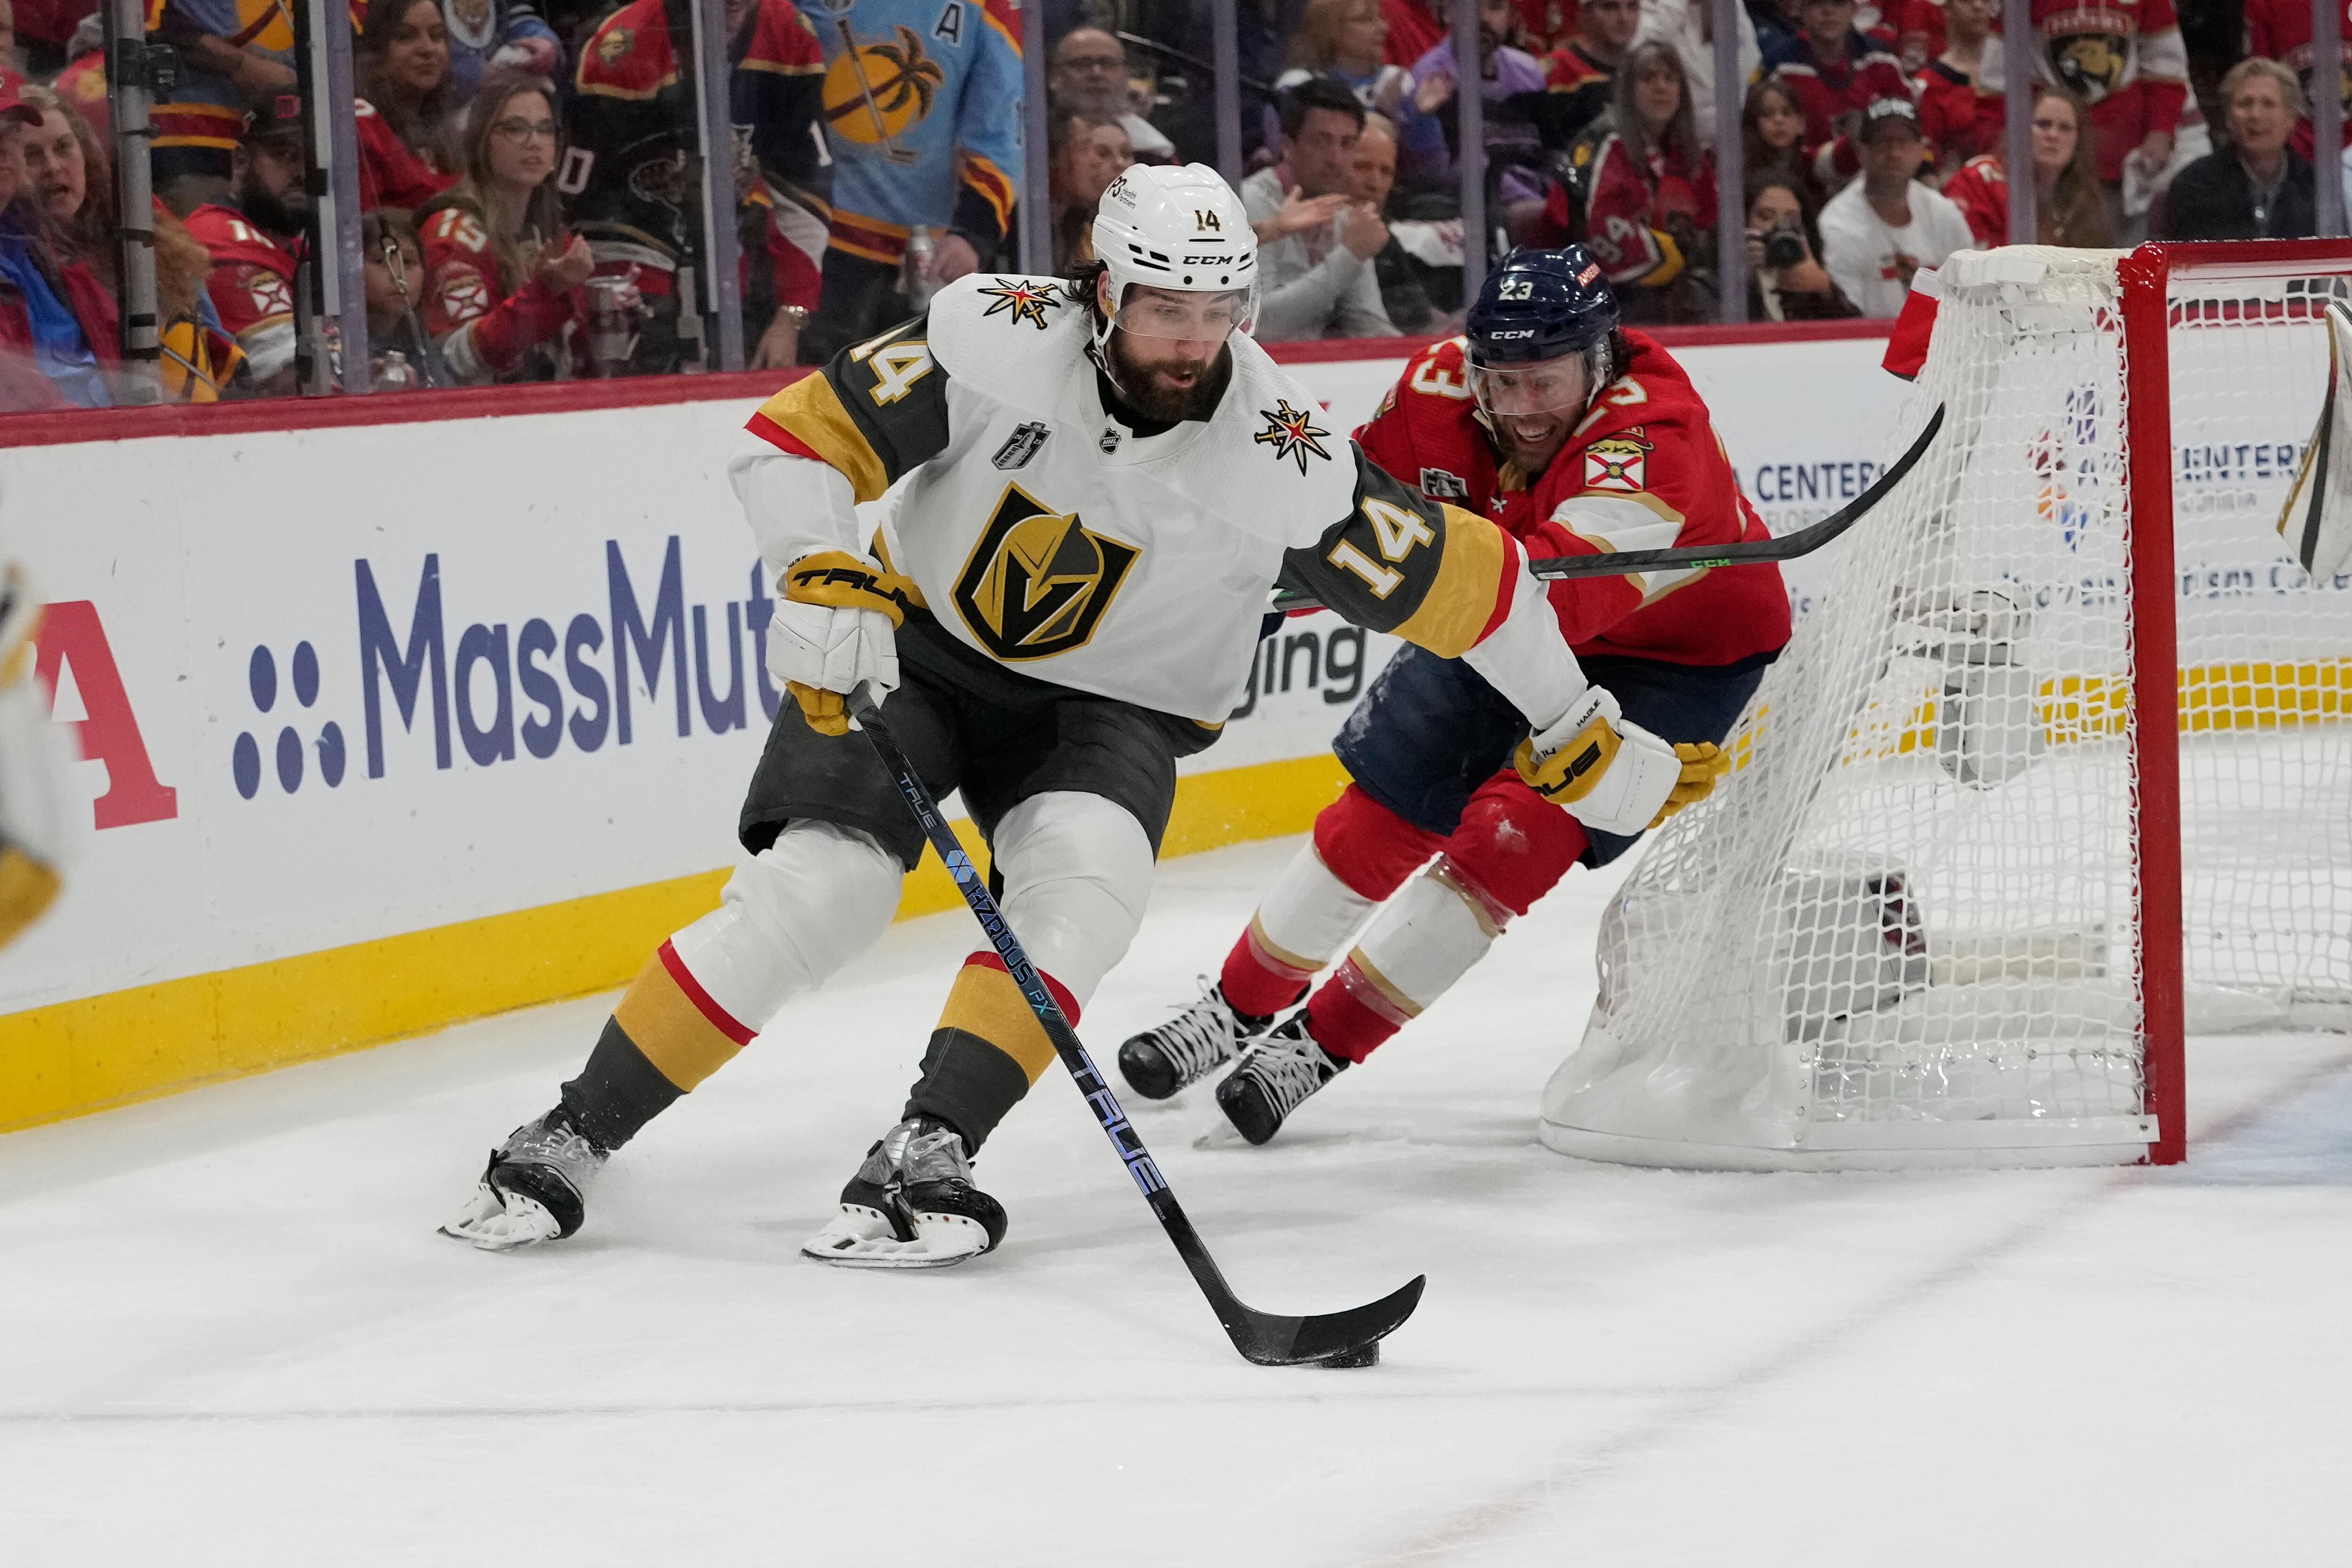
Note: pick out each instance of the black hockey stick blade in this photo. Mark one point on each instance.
(1748, 552)
(1267, 1339)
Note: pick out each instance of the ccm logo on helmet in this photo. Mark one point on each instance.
(1522, 332)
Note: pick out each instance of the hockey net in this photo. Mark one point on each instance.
(1957, 902)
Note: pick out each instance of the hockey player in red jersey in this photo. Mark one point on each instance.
(1580, 437)
(1103, 480)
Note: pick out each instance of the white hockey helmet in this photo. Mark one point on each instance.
(1182, 230)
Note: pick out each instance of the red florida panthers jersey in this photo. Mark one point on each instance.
(1644, 470)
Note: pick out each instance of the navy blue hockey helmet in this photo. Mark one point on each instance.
(1543, 305)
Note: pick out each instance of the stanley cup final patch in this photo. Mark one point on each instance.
(1618, 463)
(1020, 447)
(1292, 433)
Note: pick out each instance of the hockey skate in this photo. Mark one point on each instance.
(1275, 1077)
(1188, 1046)
(534, 1188)
(910, 1205)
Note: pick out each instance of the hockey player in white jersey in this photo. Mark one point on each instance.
(1107, 478)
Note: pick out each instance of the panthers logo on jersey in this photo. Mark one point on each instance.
(1038, 582)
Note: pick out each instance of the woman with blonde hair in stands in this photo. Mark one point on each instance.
(68, 176)
(1346, 38)
(502, 275)
(407, 104)
(2068, 209)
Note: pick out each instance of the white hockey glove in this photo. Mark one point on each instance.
(1611, 773)
(834, 626)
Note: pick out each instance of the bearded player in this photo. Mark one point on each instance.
(1105, 482)
(1580, 437)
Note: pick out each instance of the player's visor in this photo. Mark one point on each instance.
(1538, 386)
(1202, 318)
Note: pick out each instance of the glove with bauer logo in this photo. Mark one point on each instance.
(833, 626)
(1606, 770)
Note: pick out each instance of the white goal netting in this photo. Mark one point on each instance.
(1909, 928)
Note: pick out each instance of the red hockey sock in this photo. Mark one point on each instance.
(1352, 1014)
(1368, 846)
(1258, 981)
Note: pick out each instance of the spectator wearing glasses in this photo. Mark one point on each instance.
(1087, 152)
(1316, 281)
(633, 110)
(1785, 282)
(407, 104)
(1649, 216)
(1089, 74)
(1886, 226)
(1836, 73)
(502, 275)
(52, 311)
(254, 237)
(2255, 186)
(2068, 209)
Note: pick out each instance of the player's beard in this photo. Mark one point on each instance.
(1531, 440)
(1151, 393)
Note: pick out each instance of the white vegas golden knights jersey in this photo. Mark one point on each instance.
(1048, 536)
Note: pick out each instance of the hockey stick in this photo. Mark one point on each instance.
(1787, 547)
(1339, 1339)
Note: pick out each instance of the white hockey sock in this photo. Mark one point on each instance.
(807, 904)
(1427, 937)
(1306, 917)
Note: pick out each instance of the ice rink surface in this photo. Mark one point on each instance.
(229, 1335)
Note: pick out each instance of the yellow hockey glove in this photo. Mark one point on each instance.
(832, 629)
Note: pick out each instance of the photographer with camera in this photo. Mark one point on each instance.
(1785, 283)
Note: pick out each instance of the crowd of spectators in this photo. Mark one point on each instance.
(529, 170)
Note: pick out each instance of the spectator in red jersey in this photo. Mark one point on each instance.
(1347, 39)
(2255, 186)
(2281, 31)
(1958, 91)
(9, 75)
(1414, 29)
(1547, 25)
(1087, 152)
(503, 277)
(2124, 61)
(254, 238)
(1649, 216)
(52, 311)
(1785, 282)
(82, 81)
(1836, 74)
(43, 29)
(406, 105)
(2068, 208)
(1689, 27)
(1582, 77)
(1772, 138)
(633, 113)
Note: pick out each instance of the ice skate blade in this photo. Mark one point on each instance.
(496, 1222)
(860, 1237)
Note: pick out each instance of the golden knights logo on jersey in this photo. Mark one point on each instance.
(1037, 583)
